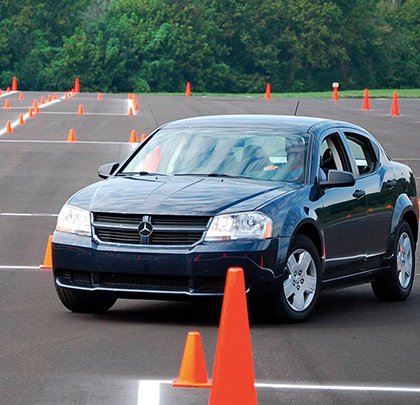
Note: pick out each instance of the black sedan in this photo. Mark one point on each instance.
(301, 204)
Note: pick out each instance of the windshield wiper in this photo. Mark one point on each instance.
(213, 175)
(141, 173)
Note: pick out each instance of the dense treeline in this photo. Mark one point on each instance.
(218, 45)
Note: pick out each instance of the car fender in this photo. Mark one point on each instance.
(402, 205)
(301, 220)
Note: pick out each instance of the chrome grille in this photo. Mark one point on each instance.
(167, 229)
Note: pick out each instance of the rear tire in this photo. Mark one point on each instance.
(396, 283)
(299, 291)
(85, 301)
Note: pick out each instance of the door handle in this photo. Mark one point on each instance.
(390, 184)
(359, 193)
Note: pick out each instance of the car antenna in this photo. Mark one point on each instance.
(297, 106)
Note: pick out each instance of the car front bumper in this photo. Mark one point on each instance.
(165, 271)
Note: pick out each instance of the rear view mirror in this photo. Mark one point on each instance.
(107, 170)
(338, 178)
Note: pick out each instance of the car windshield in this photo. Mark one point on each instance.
(265, 154)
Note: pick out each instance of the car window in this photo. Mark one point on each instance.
(362, 152)
(266, 154)
(332, 155)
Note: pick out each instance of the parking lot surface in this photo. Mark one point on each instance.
(354, 350)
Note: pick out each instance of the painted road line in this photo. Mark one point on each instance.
(148, 393)
(5, 94)
(149, 390)
(20, 214)
(45, 141)
(406, 158)
(19, 267)
(361, 388)
(86, 113)
(25, 116)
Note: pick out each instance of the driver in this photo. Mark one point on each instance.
(292, 170)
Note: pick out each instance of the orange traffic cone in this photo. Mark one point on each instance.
(366, 102)
(55, 97)
(193, 372)
(335, 94)
(30, 112)
(14, 84)
(130, 111)
(77, 85)
(21, 121)
(49, 99)
(133, 136)
(188, 89)
(8, 90)
(233, 372)
(42, 100)
(395, 109)
(71, 136)
(9, 129)
(268, 91)
(47, 265)
(80, 110)
(136, 105)
(21, 96)
(6, 103)
(1, 92)
(100, 96)
(35, 106)
(143, 137)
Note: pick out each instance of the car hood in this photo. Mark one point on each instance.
(186, 195)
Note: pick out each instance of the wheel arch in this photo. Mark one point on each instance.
(404, 210)
(411, 220)
(309, 229)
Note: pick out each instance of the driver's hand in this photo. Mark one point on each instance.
(270, 168)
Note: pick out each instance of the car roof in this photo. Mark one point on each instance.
(301, 124)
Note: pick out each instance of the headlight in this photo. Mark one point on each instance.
(74, 220)
(247, 225)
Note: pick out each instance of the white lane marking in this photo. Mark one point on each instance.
(406, 158)
(148, 393)
(25, 116)
(21, 214)
(86, 113)
(46, 141)
(328, 387)
(19, 267)
(5, 94)
(339, 387)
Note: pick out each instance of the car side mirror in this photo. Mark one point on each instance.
(338, 178)
(107, 170)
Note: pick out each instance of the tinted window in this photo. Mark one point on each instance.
(259, 154)
(332, 155)
(362, 153)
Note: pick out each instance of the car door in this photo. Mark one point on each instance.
(379, 183)
(344, 213)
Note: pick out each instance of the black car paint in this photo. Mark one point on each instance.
(354, 236)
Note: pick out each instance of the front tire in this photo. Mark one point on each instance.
(299, 292)
(85, 301)
(397, 282)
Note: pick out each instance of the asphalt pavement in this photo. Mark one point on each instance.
(354, 350)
